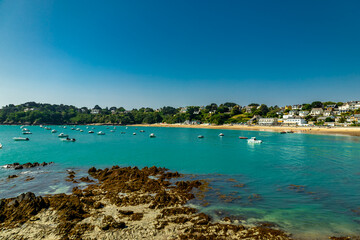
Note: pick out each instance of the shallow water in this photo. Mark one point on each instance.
(327, 166)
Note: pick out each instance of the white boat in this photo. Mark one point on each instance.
(54, 131)
(68, 139)
(100, 133)
(152, 135)
(134, 133)
(0, 146)
(27, 132)
(20, 139)
(78, 129)
(62, 135)
(81, 130)
(91, 131)
(142, 131)
(64, 127)
(221, 135)
(254, 140)
(200, 136)
(112, 130)
(72, 128)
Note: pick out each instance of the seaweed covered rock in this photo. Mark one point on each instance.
(18, 210)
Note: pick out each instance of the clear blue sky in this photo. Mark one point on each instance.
(156, 53)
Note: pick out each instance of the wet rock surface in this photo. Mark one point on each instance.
(124, 203)
(18, 166)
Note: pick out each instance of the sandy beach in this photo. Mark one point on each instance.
(349, 131)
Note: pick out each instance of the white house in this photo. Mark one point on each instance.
(303, 113)
(316, 112)
(328, 113)
(268, 121)
(296, 107)
(297, 121)
(95, 111)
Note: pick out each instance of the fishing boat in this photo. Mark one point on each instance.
(20, 139)
(100, 133)
(91, 131)
(152, 135)
(62, 135)
(68, 139)
(53, 131)
(243, 137)
(221, 135)
(254, 140)
(200, 136)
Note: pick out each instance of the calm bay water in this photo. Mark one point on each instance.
(327, 166)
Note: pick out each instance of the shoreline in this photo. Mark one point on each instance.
(346, 131)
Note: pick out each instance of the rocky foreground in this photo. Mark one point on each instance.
(122, 203)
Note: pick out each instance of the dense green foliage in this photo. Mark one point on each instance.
(37, 113)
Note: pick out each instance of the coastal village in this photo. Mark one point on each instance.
(333, 114)
(329, 114)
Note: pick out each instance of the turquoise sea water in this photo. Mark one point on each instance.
(327, 166)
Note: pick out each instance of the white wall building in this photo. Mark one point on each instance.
(295, 121)
(268, 121)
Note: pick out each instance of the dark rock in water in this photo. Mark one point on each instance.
(18, 166)
(12, 176)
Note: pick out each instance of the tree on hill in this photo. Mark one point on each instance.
(316, 104)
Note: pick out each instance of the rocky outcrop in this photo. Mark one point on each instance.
(124, 203)
(18, 166)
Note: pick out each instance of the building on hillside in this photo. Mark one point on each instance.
(294, 121)
(296, 107)
(303, 113)
(29, 109)
(328, 113)
(316, 112)
(248, 109)
(293, 112)
(268, 121)
(95, 111)
(183, 110)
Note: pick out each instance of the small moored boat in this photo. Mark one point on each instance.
(200, 136)
(142, 131)
(53, 131)
(27, 133)
(68, 139)
(152, 135)
(91, 131)
(20, 139)
(100, 133)
(112, 130)
(243, 137)
(221, 135)
(134, 133)
(0, 146)
(62, 135)
(25, 130)
(254, 140)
